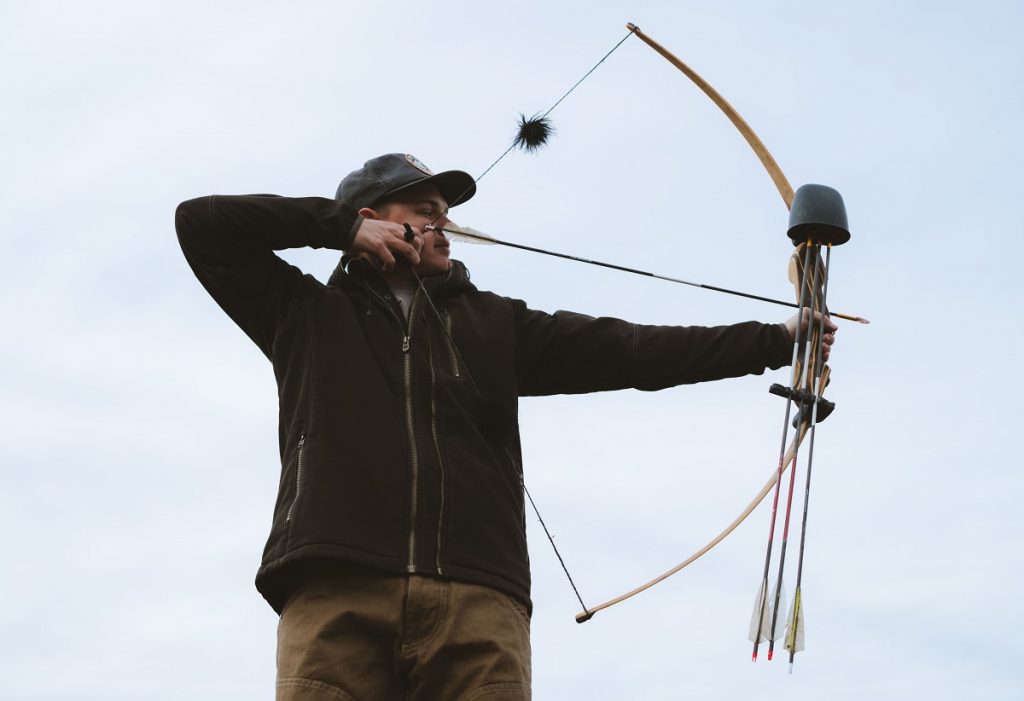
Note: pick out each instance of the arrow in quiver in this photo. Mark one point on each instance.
(817, 219)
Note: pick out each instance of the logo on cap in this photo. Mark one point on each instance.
(417, 164)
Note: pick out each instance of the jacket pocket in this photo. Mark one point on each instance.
(520, 492)
(299, 470)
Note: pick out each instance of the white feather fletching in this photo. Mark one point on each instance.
(466, 234)
(761, 617)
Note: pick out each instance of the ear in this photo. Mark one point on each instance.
(367, 213)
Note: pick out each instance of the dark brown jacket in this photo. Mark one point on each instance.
(399, 440)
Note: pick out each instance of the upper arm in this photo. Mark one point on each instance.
(254, 286)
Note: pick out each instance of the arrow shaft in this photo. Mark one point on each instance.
(794, 363)
(810, 355)
(634, 271)
(810, 462)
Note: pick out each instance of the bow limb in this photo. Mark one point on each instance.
(787, 459)
(587, 614)
(777, 176)
(786, 192)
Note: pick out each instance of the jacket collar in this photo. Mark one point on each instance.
(354, 272)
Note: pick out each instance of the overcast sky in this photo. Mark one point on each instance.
(138, 425)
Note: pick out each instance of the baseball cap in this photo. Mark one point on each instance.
(385, 175)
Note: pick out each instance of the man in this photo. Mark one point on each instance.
(397, 555)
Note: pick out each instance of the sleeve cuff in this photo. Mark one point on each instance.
(350, 237)
(782, 348)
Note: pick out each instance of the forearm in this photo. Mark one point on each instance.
(229, 242)
(220, 229)
(669, 356)
(572, 353)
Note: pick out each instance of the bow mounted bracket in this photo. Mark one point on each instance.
(805, 401)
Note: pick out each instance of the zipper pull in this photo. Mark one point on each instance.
(405, 344)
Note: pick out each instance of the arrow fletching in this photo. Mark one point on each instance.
(761, 617)
(468, 235)
(795, 627)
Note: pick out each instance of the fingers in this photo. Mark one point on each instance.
(383, 255)
(828, 326)
(828, 338)
(403, 250)
(386, 241)
(409, 248)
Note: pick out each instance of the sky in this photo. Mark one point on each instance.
(138, 425)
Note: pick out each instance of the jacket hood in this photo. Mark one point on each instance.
(356, 272)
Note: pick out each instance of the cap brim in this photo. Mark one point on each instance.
(455, 186)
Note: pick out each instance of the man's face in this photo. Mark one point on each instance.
(418, 207)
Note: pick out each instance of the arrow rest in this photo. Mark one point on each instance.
(805, 400)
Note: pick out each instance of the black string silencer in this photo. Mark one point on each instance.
(533, 132)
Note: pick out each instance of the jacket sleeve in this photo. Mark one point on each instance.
(568, 353)
(229, 242)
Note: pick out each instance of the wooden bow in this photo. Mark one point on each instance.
(786, 192)
(777, 176)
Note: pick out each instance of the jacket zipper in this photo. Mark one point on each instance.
(440, 461)
(298, 479)
(406, 330)
(449, 325)
(411, 434)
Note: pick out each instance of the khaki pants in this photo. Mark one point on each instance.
(365, 635)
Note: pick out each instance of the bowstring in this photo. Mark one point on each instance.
(451, 340)
(476, 388)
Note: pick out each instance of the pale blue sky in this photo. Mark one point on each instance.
(138, 426)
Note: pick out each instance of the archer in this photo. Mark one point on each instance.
(397, 553)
